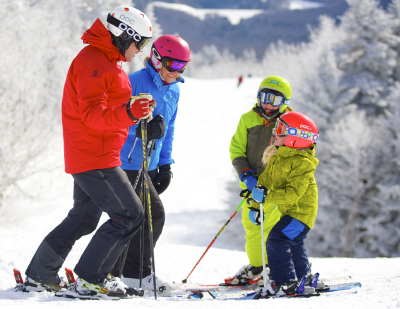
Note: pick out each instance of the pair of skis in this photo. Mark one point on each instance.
(199, 291)
(230, 292)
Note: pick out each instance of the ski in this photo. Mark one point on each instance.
(340, 286)
(69, 291)
(19, 281)
(332, 288)
(214, 287)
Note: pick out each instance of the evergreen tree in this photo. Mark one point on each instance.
(319, 93)
(353, 166)
(394, 10)
(39, 41)
(367, 54)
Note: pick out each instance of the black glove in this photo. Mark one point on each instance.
(163, 178)
(155, 128)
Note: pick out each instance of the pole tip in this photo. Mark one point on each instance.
(184, 281)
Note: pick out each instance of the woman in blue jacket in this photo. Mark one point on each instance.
(161, 77)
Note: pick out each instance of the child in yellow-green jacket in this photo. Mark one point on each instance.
(288, 184)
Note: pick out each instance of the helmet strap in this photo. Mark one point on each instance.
(270, 116)
(122, 42)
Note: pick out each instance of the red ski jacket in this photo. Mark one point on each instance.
(94, 117)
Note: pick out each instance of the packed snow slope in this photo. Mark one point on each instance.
(197, 204)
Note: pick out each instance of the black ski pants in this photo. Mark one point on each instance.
(95, 191)
(131, 269)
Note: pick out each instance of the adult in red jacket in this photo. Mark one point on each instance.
(97, 110)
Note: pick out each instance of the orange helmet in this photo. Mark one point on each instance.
(299, 129)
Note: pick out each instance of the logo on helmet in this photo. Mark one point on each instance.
(305, 127)
(127, 19)
(124, 27)
(274, 82)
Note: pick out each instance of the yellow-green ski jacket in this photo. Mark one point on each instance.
(290, 178)
(252, 137)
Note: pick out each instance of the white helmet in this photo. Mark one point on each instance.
(128, 25)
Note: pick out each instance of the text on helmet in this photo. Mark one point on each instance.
(305, 127)
(124, 27)
(127, 19)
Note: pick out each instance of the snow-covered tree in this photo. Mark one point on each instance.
(355, 162)
(394, 11)
(367, 55)
(39, 40)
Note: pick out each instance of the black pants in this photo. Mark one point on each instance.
(131, 268)
(95, 191)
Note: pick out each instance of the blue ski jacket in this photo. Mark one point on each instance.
(147, 80)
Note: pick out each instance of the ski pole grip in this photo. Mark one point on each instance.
(245, 193)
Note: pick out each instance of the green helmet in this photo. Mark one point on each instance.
(277, 83)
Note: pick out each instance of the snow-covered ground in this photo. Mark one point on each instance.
(196, 208)
(234, 16)
(304, 5)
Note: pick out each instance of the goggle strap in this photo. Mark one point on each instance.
(298, 132)
(127, 29)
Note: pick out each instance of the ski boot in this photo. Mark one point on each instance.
(162, 288)
(247, 274)
(313, 281)
(273, 289)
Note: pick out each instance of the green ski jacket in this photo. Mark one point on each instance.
(289, 176)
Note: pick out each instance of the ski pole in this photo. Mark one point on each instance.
(146, 199)
(149, 146)
(117, 271)
(220, 231)
(258, 196)
(141, 235)
(263, 243)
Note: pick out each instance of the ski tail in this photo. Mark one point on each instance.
(70, 275)
(18, 277)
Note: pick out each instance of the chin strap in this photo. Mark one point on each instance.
(268, 117)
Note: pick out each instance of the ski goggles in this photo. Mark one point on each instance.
(173, 65)
(140, 45)
(270, 98)
(283, 129)
(140, 41)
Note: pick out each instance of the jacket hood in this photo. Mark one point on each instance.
(98, 36)
(284, 151)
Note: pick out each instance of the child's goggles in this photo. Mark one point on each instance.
(173, 65)
(283, 129)
(270, 98)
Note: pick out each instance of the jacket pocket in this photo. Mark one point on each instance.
(293, 229)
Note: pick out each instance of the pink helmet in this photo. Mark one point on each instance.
(169, 47)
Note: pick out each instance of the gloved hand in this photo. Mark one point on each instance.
(248, 178)
(259, 193)
(155, 128)
(163, 178)
(255, 216)
(141, 107)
